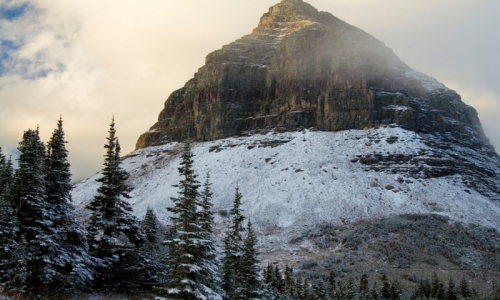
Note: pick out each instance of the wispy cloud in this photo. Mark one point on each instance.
(90, 59)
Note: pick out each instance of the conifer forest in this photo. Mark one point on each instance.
(48, 253)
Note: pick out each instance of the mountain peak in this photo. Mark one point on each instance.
(286, 17)
(301, 68)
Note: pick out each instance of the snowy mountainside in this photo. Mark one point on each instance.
(295, 179)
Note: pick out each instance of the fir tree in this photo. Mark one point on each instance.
(233, 251)
(395, 291)
(34, 217)
(465, 290)
(250, 270)
(8, 222)
(114, 234)
(386, 287)
(268, 274)
(364, 290)
(210, 268)
(206, 214)
(149, 226)
(332, 285)
(351, 290)
(73, 263)
(290, 283)
(435, 285)
(319, 290)
(194, 271)
(278, 280)
(451, 292)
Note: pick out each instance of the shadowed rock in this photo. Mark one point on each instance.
(301, 68)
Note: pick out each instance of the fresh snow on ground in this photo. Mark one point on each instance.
(299, 179)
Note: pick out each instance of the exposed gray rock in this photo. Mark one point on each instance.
(301, 68)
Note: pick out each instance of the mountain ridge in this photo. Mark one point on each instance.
(301, 68)
(348, 160)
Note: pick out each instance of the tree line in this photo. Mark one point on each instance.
(45, 252)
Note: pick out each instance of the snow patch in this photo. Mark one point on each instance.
(297, 179)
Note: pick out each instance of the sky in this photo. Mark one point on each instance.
(90, 60)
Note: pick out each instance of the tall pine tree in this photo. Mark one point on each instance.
(250, 270)
(233, 251)
(150, 227)
(113, 233)
(72, 259)
(210, 267)
(194, 272)
(33, 214)
(8, 222)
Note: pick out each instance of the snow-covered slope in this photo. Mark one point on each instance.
(295, 179)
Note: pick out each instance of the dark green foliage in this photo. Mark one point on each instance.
(386, 288)
(149, 226)
(319, 290)
(233, 252)
(71, 259)
(114, 234)
(464, 288)
(47, 251)
(8, 222)
(451, 291)
(206, 213)
(194, 270)
(331, 289)
(252, 287)
(32, 211)
(396, 291)
(351, 290)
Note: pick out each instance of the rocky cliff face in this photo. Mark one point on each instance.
(301, 68)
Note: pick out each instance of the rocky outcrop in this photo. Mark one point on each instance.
(301, 68)
(477, 168)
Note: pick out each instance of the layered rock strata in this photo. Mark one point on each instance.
(301, 68)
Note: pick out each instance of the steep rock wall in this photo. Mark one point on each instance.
(301, 68)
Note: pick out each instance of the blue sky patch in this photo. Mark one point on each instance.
(6, 48)
(11, 13)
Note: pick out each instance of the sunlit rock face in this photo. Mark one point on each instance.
(301, 68)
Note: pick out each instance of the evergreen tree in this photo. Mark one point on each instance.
(395, 291)
(375, 292)
(386, 288)
(149, 226)
(351, 290)
(268, 274)
(435, 285)
(451, 292)
(71, 260)
(114, 234)
(278, 280)
(332, 285)
(34, 217)
(364, 290)
(194, 271)
(319, 290)
(210, 272)
(250, 270)
(465, 290)
(302, 290)
(342, 291)
(8, 222)
(233, 251)
(206, 214)
(290, 284)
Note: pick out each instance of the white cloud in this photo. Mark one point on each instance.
(125, 57)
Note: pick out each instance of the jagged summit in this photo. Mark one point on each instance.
(301, 68)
